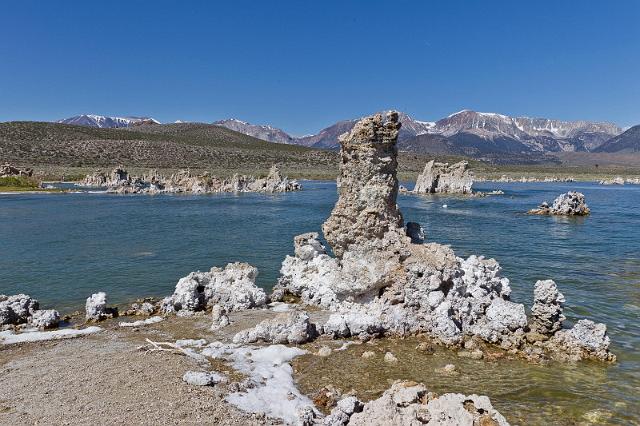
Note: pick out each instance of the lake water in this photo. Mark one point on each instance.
(61, 248)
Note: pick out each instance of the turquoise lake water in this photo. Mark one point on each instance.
(60, 248)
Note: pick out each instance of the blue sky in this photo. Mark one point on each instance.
(302, 65)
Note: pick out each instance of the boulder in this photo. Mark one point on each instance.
(16, 309)
(286, 327)
(409, 403)
(586, 339)
(442, 178)
(232, 288)
(47, 318)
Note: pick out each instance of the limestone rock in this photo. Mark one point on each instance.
(367, 185)
(286, 327)
(442, 178)
(219, 317)
(342, 412)
(47, 318)
(409, 403)
(233, 288)
(586, 339)
(16, 309)
(547, 307)
(96, 308)
(568, 204)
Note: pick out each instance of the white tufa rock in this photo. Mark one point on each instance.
(233, 288)
(48, 318)
(568, 204)
(16, 309)
(546, 312)
(382, 283)
(96, 308)
(286, 327)
(409, 403)
(219, 317)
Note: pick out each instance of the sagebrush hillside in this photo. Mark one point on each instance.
(188, 145)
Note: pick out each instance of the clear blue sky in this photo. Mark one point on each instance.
(302, 65)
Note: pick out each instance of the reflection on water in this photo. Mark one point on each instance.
(62, 248)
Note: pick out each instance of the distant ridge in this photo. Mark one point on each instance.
(482, 135)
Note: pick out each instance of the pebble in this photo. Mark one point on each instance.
(389, 357)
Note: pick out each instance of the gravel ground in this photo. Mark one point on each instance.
(106, 379)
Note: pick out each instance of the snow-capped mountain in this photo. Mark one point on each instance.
(267, 133)
(328, 137)
(538, 134)
(101, 121)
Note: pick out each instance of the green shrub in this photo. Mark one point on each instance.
(18, 182)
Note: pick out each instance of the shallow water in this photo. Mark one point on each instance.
(61, 248)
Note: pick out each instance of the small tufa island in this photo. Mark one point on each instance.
(442, 178)
(120, 182)
(568, 204)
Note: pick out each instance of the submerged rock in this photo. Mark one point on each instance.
(286, 327)
(232, 288)
(442, 178)
(409, 403)
(96, 308)
(568, 204)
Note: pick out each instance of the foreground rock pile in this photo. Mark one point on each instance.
(568, 204)
(183, 181)
(21, 309)
(409, 403)
(381, 283)
(442, 178)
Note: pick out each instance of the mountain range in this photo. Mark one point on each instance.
(486, 136)
(103, 122)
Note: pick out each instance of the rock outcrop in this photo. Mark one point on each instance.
(232, 288)
(287, 327)
(96, 308)
(410, 403)
(183, 181)
(442, 178)
(568, 204)
(383, 282)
